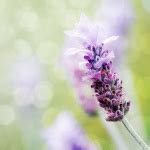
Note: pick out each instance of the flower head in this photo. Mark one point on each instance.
(66, 134)
(95, 56)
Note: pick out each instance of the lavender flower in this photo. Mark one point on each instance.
(119, 22)
(82, 91)
(26, 74)
(65, 134)
(122, 17)
(96, 55)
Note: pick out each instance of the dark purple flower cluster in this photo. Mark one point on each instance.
(108, 88)
(94, 58)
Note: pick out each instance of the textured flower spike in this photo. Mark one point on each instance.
(95, 61)
(93, 58)
(108, 89)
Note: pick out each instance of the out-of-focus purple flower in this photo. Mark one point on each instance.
(95, 55)
(26, 74)
(65, 134)
(117, 17)
(83, 93)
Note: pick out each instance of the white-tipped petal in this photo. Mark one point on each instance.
(84, 18)
(110, 55)
(101, 35)
(84, 23)
(110, 39)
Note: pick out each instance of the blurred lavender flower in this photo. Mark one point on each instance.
(26, 74)
(94, 56)
(82, 90)
(86, 33)
(119, 22)
(121, 18)
(65, 134)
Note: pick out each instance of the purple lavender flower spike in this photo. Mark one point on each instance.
(95, 59)
(109, 93)
(66, 134)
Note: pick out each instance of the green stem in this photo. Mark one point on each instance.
(134, 134)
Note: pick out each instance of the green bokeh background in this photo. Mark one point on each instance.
(38, 25)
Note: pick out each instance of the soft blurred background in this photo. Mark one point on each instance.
(33, 87)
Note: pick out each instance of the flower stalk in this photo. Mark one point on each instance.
(117, 138)
(134, 134)
(93, 57)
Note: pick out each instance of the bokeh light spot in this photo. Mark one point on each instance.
(7, 114)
